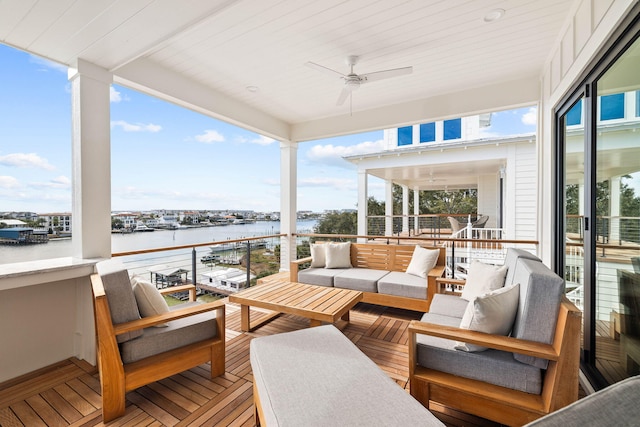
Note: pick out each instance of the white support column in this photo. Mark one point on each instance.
(614, 209)
(91, 156)
(288, 201)
(416, 211)
(363, 211)
(388, 208)
(405, 209)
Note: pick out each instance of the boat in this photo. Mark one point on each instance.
(210, 258)
(142, 227)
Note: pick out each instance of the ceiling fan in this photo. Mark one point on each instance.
(352, 81)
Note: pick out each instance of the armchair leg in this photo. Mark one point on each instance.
(113, 401)
(217, 360)
(419, 390)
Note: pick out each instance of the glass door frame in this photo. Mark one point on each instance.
(586, 90)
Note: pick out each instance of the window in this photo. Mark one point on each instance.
(638, 103)
(452, 129)
(574, 116)
(405, 136)
(428, 132)
(612, 106)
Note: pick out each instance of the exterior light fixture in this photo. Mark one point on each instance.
(494, 15)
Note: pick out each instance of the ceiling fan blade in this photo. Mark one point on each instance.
(343, 95)
(379, 75)
(324, 69)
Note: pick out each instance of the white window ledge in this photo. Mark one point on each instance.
(23, 274)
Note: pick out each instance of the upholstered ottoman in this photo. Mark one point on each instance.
(318, 377)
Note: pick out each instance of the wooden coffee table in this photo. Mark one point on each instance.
(317, 303)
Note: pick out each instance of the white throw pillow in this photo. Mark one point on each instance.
(150, 300)
(492, 313)
(318, 257)
(483, 278)
(338, 255)
(422, 261)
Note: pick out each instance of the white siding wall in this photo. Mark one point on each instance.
(488, 194)
(523, 157)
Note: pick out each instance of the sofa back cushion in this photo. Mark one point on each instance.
(510, 261)
(541, 292)
(119, 292)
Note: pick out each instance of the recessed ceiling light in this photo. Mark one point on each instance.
(494, 15)
(252, 89)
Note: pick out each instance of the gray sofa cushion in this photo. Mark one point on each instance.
(317, 377)
(177, 334)
(615, 405)
(403, 285)
(122, 302)
(359, 279)
(492, 366)
(448, 305)
(541, 292)
(319, 276)
(510, 261)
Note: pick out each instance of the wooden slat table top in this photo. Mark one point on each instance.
(314, 302)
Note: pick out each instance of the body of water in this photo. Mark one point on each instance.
(57, 248)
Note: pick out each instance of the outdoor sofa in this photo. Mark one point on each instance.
(402, 276)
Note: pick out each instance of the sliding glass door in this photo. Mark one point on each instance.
(599, 199)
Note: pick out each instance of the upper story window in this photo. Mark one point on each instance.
(612, 106)
(574, 116)
(428, 132)
(405, 136)
(452, 129)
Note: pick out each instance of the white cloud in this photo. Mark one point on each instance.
(58, 182)
(47, 64)
(137, 127)
(26, 160)
(337, 183)
(262, 140)
(210, 136)
(530, 117)
(333, 154)
(114, 95)
(8, 182)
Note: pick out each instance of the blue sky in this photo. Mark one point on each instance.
(167, 157)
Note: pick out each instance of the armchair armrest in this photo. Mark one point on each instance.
(180, 313)
(294, 267)
(498, 342)
(174, 289)
(456, 284)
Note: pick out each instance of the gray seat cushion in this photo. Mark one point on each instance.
(403, 285)
(317, 377)
(122, 302)
(448, 305)
(359, 279)
(541, 292)
(491, 366)
(319, 276)
(615, 405)
(177, 334)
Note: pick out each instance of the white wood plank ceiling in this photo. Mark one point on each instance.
(225, 46)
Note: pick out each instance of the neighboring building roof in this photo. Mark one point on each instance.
(12, 222)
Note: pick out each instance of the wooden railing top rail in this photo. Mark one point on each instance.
(193, 245)
(429, 239)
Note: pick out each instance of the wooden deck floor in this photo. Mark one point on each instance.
(68, 394)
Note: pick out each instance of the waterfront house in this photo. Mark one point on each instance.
(244, 62)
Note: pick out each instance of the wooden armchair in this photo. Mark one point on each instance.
(558, 384)
(130, 356)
